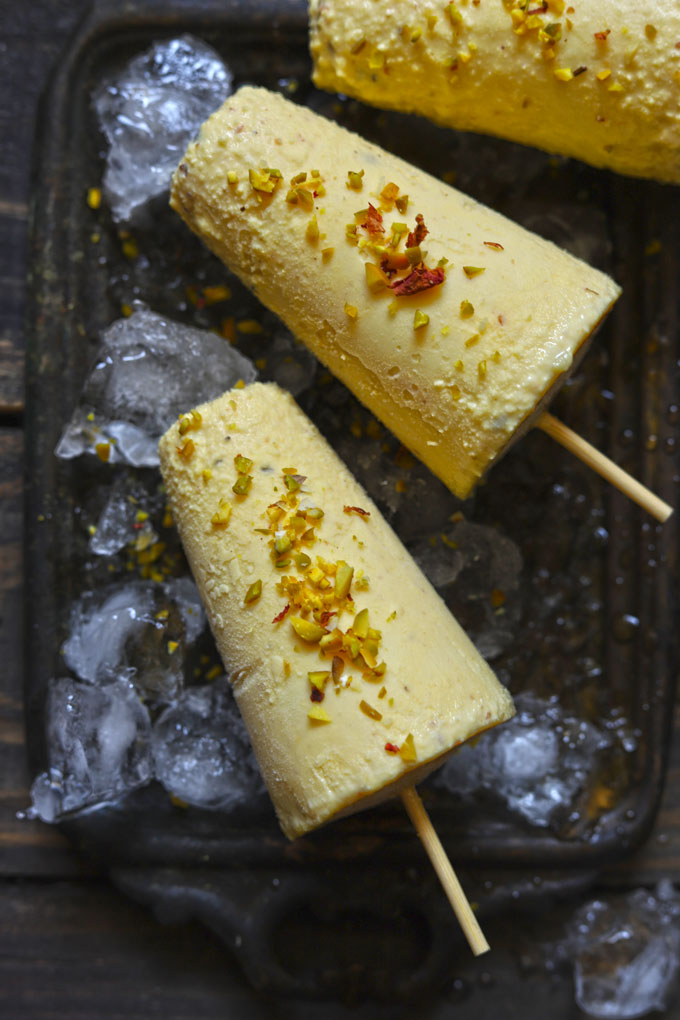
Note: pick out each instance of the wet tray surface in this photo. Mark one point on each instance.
(564, 585)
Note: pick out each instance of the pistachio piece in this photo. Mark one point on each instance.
(308, 630)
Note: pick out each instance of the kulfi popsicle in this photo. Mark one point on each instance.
(598, 81)
(451, 323)
(352, 677)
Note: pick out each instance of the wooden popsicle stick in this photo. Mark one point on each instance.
(591, 456)
(441, 864)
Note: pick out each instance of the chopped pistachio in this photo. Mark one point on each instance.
(481, 369)
(407, 750)
(360, 625)
(327, 254)
(305, 198)
(242, 485)
(319, 678)
(343, 579)
(402, 204)
(375, 279)
(372, 713)
(172, 647)
(232, 177)
(420, 319)
(308, 630)
(416, 34)
(186, 451)
(318, 714)
(299, 178)
(471, 271)
(242, 464)
(253, 593)
(222, 514)
(415, 255)
(312, 231)
(103, 451)
(331, 642)
(337, 667)
(472, 340)
(264, 180)
(454, 16)
(355, 179)
(603, 74)
(466, 310)
(283, 544)
(351, 311)
(563, 73)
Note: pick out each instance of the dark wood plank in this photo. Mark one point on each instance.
(78, 950)
(32, 38)
(26, 848)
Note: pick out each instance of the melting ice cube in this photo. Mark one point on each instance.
(97, 746)
(149, 114)
(149, 370)
(201, 749)
(136, 629)
(537, 762)
(127, 517)
(626, 953)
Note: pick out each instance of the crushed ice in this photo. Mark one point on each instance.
(150, 112)
(626, 953)
(149, 370)
(137, 629)
(536, 763)
(201, 749)
(98, 745)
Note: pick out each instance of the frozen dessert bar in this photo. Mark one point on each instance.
(598, 81)
(352, 677)
(451, 323)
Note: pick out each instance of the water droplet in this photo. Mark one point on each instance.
(624, 627)
(627, 437)
(670, 445)
(651, 442)
(673, 414)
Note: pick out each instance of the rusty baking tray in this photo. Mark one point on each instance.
(598, 607)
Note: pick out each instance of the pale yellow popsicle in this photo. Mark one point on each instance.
(598, 81)
(456, 370)
(352, 677)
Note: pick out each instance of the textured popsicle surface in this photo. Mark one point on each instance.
(365, 681)
(599, 81)
(455, 353)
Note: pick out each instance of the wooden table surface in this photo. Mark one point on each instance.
(70, 945)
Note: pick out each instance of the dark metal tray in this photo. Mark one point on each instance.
(598, 604)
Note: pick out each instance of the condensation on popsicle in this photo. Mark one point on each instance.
(598, 81)
(352, 677)
(451, 323)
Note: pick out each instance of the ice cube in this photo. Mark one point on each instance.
(537, 763)
(626, 953)
(150, 112)
(97, 745)
(201, 750)
(149, 370)
(127, 517)
(136, 629)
